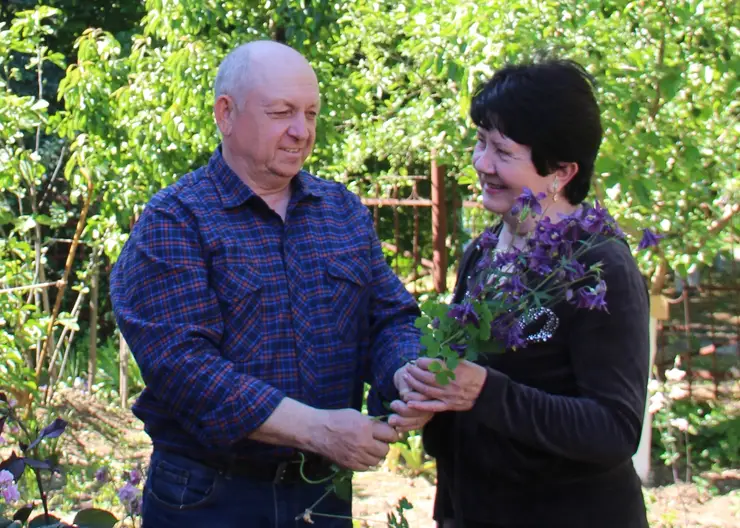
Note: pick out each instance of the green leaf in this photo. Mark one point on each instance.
(453, 362)
(44, 220)
(444, 377)
(642, 193)
(343, 486)
(40, 522)
(435, 367)
(431, 345)
(95, 518)
(422, 322)
(22, 514)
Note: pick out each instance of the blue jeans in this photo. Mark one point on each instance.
(181, 492)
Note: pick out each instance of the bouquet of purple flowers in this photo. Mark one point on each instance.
(514, 289)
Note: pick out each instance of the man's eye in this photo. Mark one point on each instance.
(281, 113)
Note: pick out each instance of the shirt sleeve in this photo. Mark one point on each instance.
(171, 320)
(394, 340)
(609, 353)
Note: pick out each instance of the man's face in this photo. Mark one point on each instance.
(274, 128)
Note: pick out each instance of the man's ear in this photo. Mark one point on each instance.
(225, 112)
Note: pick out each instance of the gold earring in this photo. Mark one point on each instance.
(555, 185)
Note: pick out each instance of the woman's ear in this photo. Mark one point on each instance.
(564, 173)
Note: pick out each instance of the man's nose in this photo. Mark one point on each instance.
(298, 127)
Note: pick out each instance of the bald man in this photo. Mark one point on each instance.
(256, 301)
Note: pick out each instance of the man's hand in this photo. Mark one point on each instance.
(459, 395)
(351, 439)
(406, 418)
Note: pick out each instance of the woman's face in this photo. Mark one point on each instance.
(504, 169)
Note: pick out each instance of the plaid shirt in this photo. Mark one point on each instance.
(228, 309)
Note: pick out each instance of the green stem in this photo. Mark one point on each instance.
(308, 480)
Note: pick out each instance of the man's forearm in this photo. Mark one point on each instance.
(292, 424)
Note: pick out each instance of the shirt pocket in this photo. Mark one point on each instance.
(239, 291)
(349, 280)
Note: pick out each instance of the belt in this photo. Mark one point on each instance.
(313, 467)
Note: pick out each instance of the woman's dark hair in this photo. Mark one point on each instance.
(550, 107)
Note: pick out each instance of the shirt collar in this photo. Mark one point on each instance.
(234, 192)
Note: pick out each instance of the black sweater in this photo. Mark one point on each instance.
(550, 439)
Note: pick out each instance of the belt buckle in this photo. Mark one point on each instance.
(280, 473)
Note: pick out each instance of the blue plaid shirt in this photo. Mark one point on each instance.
(228, 309)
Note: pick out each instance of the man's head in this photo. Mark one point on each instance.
(267, 102)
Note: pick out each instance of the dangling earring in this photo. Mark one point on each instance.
(555, 185)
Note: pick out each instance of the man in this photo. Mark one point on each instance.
(256, 300)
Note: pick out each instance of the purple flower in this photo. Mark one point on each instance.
(134, 507)
(134, 477)
(127, 493)
(574, 271)
(10, 493)
(3, 440)
(500, 327)
(477, 290)
(649, 239)
(464, 314)
(435, 322)
(6, 477)
(506, 258)
(102, 476)
(488, 240)
(514, 286)
(528, 200)
(484, 263)
(8, 488)
(514, 338)
(593, 219)
(540, 261)
(592, 298)
(459, 348)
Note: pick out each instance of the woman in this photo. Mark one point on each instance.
(542, 436)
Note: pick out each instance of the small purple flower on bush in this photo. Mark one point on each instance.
(102, 475)
(649, 239)
(134, 477)
(127, 493)
(8, 487)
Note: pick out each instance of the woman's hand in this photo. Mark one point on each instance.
(459, 395)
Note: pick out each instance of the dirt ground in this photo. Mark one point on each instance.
(99, 430)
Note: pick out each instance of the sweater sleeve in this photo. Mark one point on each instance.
(609, 353)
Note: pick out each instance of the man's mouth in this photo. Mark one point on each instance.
(292, 150)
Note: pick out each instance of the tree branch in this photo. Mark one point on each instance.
(65, 278)
(39, 286)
